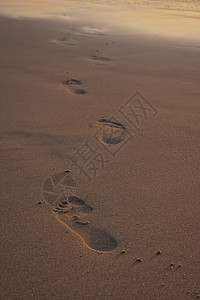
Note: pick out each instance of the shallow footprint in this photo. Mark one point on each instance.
(101, 58)
(74, 213)
(65, 41)
(71, 84)
(93, 30)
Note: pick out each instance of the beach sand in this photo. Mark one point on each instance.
(100, 153)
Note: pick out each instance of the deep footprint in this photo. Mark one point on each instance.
(71, 84)
(110, 123)
(74, 213)
(113, 132)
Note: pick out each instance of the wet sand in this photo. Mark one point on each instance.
(100, 159)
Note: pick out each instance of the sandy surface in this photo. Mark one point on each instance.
(170, 18)
(124, 107)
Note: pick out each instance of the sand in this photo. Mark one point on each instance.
(100, 151)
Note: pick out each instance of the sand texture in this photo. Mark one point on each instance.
(100, 153)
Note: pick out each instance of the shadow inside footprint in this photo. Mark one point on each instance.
(108, 139)
(74, 213)
(75, 91)
(71, 87)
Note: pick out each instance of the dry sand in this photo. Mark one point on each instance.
(122, 101)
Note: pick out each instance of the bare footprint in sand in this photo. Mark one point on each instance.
(71, 86)
(101, 58)
(66, 42)
(74, 213)
(112, 132)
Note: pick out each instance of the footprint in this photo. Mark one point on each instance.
(101, 58)
(112, 132)
(93, 30)
(71, 86)
(111, 123)
(72, 82)
(65, 41)
(74, 213)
